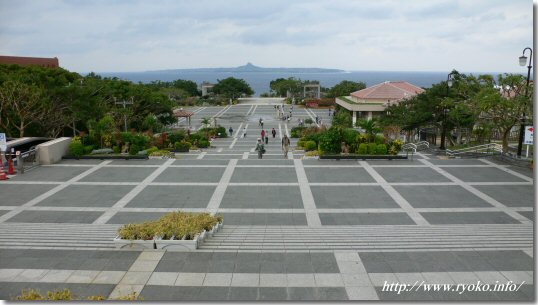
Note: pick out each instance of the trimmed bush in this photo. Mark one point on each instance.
(363, 149)
(76, 149)
(182, 146)
(329, 142)
(301, 143)
(372, 147)
(379, 139)
(88, 149)
(381, 149)
(310, 145)
(134, 149)
(297, 132)
(203, 143)
(116, 149)
(177, 136)
(151, 150)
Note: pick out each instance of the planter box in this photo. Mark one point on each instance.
(133, 244)
(178, 245)
(363, 157)
(310, 157)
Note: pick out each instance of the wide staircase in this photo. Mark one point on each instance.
(372, 238)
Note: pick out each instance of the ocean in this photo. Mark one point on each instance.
(259, 81)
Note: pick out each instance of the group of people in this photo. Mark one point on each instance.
(260, 148)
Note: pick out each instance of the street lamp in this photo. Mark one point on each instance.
(449, 83)
(523, 62)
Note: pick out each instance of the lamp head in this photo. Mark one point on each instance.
(522, 60)
(449, 82)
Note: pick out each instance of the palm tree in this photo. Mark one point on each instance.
(370, 127)
(206, 122)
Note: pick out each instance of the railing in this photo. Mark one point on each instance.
(24, 161)
(414, 147)
(486, 149)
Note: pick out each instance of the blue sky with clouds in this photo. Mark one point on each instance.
(384, 35)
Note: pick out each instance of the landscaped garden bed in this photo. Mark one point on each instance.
(362, 157)
(179, 231)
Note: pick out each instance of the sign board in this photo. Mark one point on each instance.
(529, 135)
(3, 142)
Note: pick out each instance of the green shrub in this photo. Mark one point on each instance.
(372, 148)
(117, 149)
(310, 145)
(381, 149)
(300, 143)
(134, 149)
(76, 149)
(203, 143)
(151, 150)
(88, 149)
(343, 119)
(297, 132)
(379, 139)
(182, 146)
(177, 136)
(395, 147)
(308, 121)
(329, 141)
(363, 149)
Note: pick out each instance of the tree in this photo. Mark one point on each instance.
(343, 119)
(232, 88)
(20, 106)
(281, 86)
(151, 124)
(370, 127)
(344, 88)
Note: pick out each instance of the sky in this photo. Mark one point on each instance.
(373, 35)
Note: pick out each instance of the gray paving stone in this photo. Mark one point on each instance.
(163, 278)
(55, 217)
(332, 293)
(273, 294)
(468, 218)
(264, 162)
(302, 293)
(167, 293)
(243, 293)
(190, 279)
(217, 279)
(273, 279)
(164, 196)
(482, 174)
(204, 161)
(20, 194)
(135, 278)
(528, 214)
(352, 197)
(138, 162)
(253, 174)
(87, 196)
(214, 293)
(47, 173)
(410, 174)
(133, 217)
(119, 174)
(362, 293)
(301, 280)
(456, 162)
(510, 195)
(191, 174)
(108, 277)
(337, 174)
(262, 197)
(277, 219)
(323, 263)
(245, 280)
(343, 219)
(83, 276)
(440, 196)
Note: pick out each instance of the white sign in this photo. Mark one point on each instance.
(529, 135)
(3, 142)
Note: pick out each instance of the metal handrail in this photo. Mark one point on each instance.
(485, 148)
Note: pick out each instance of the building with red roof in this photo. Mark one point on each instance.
(373, 101)
(30, 61)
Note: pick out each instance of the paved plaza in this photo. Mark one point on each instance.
(294, 228)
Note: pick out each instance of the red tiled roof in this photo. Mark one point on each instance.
(30, 61)
(388, 91)
(181, 113)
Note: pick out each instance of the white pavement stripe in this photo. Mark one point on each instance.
(218, 194)
(238, 130)
(133, 193)
(254, 110)
(245, 155)
(422, 155)
(201, 155)
(287, 132)
(232, 145)
(503, 168)
(51, 192)
(478, 193)
(406, 206)
(279, 130)
(312, 216)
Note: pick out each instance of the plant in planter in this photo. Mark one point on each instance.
(182, 146)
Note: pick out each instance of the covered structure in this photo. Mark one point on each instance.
(182, 113)
(30, 61)
(372, 101)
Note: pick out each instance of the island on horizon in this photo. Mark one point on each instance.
(249, 67)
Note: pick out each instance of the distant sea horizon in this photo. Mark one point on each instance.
(259, 81)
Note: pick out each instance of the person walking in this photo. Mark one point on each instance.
(244, 132)
(263, 134)
(285, 145)
(260, 122)
(231, 131)
(266, 137)
(260, 149)
(273, 132)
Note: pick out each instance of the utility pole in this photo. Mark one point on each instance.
(124, 103)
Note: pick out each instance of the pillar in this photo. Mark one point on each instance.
(369, 115)
(354, 118)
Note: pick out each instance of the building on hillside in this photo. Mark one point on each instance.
(372, 101)
(30, 61)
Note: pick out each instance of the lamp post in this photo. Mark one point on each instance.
(523, 62)
(449, 83)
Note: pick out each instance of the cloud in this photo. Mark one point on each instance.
(121, 35)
